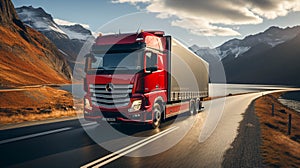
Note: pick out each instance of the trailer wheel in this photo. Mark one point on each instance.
(192, 107)
(157, 115)
(198, 105)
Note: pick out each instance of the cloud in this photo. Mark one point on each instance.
(68, 23)
(215, 17)
(130, 1)
(201, 27)
(271, 9)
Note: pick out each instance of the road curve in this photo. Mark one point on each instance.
(68, 144)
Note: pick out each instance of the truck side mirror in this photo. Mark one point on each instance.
(150, 62)
(151, 69)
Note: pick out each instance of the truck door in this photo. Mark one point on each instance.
(151, 75)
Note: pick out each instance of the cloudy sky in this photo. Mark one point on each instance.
(207, 23)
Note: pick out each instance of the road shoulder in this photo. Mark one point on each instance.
(245, 149)
(279, 148)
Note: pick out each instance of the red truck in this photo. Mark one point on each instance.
(142, 77)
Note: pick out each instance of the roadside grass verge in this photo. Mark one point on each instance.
(36, 104)
(278, 148)
(19, 118)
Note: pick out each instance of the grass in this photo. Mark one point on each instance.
(27, 62)
(32, 104)
(278, 148)
(19, 118)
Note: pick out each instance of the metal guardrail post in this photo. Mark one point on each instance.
(273, 109)
(290, 124)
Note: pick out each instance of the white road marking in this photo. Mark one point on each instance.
(88, 124)
(113, 156)
(34, 135)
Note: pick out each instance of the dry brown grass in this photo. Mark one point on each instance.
(26, 63)
(32, 104)
(19, 118)
(278, 148)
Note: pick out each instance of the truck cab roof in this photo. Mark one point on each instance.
(151, 38)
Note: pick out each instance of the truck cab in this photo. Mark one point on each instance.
(128, 79)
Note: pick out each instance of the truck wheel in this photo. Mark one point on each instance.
(192, 107)
(157, 114)
(198, 105)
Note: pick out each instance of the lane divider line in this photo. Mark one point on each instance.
(123, 149)
(132, 149)
(34, 135)
(88, 124)
(115, 155)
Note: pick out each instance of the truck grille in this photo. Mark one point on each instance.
(116, 96)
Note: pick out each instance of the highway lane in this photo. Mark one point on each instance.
(20, 150)
(192, 151)
(73, 147)
(59, 149)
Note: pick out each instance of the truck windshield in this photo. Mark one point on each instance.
(117, 61)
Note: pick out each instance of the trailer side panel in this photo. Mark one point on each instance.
(189, 74)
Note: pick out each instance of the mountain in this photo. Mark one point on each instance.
(76, 32)
(68, 39)
(194, 48)
(26, 56)
(238, 47)
(242, 58)
(217, 74)
(276, 65)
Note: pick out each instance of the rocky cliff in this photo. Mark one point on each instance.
(27, 57)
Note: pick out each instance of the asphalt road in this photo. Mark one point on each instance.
(183, 141)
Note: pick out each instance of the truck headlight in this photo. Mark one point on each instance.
(136, 106)
(87, 104)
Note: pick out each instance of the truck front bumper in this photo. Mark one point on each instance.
(141, 117)
(93, 112)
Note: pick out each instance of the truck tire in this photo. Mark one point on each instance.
(198, 105)
(157, 115)
(192, 107)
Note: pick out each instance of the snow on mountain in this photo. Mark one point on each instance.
(239, 47)
(240, 50)
(206, 53)
(245, 60)
(68, 23)
(76, 32)
(275, 35)
(68, 37)
(38, 19)
(236, 51)
(27, 56)
(265, 64)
